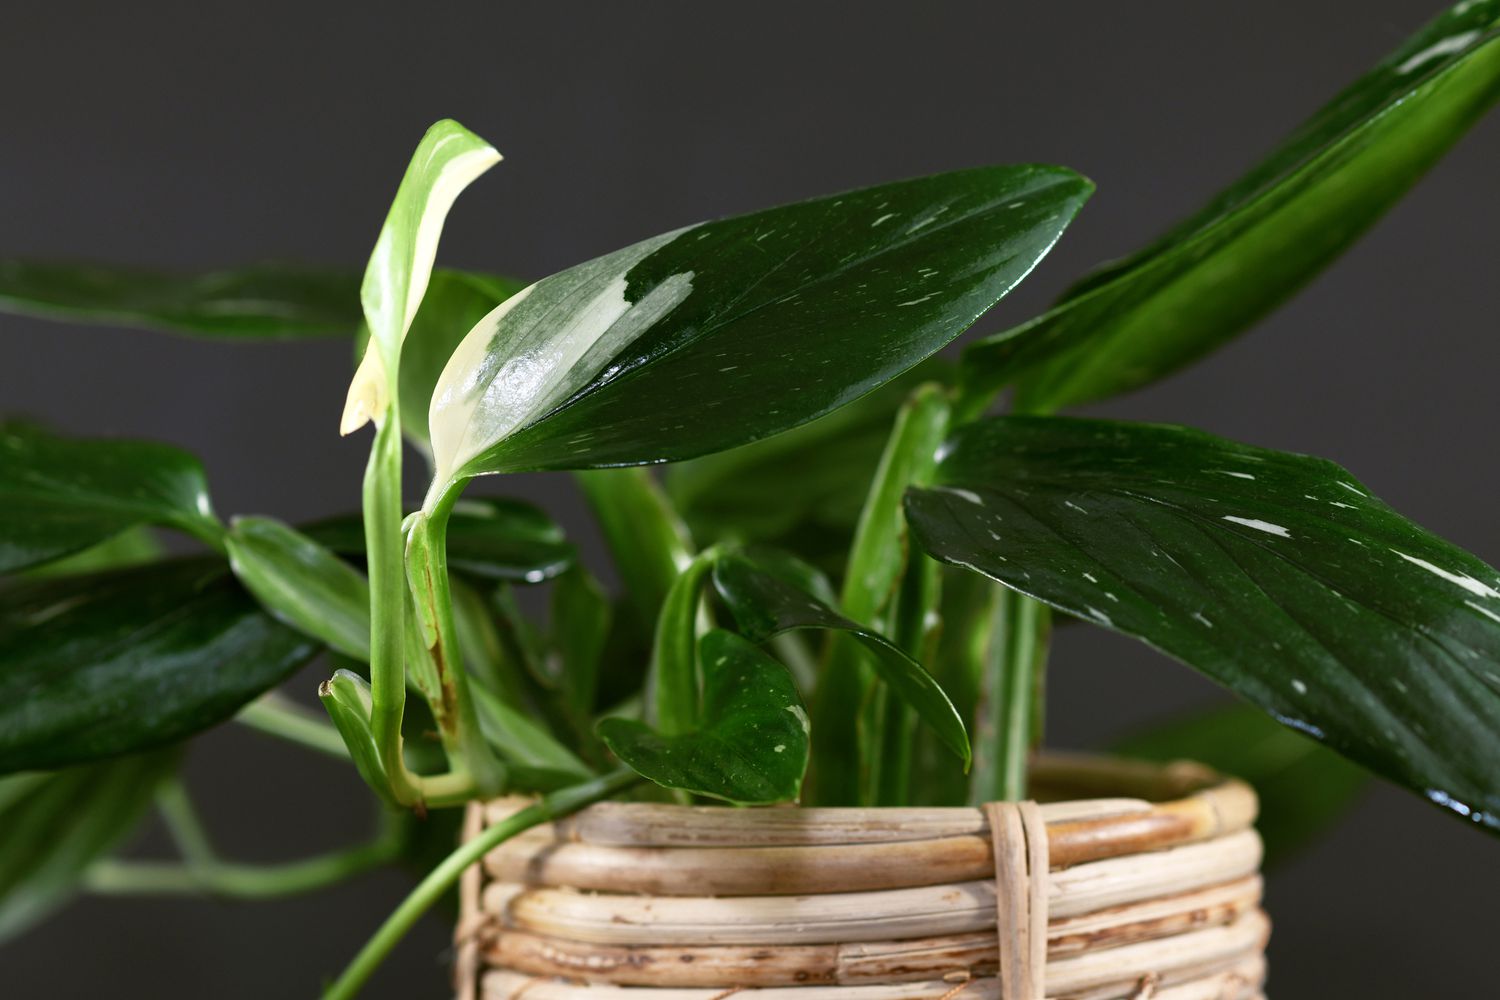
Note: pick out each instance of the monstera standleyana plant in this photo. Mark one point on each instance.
(840, 590)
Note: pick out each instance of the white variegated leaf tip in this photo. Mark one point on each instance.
(368, 394)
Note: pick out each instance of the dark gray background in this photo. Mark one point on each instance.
(200, 137)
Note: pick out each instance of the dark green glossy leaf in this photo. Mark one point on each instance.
(727, 332)
(580, 621)
(764, 605)
(264, 301)
(801, 490)
(1277, 575)
(1265, 236)
(56, 824)
(60, 495)
(752, 746)
(131, 547)
(302, 583)
(1304, 788)
(490, 539)
(93, 666)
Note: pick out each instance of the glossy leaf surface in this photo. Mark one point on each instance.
(647, 540)
(261, 302)
(491, 539)
(1277, 575)
(93, 666)
(1266, 235)
(752, 745)
(766, 604)
(56, 824)
(1304, 788)
(726, 332)
(302, 583)
(61, 495)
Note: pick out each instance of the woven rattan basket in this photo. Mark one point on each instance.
(1128, 880)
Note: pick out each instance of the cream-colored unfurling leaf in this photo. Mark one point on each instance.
(448, 159)
(368, 393)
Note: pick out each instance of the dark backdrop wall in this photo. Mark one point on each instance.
(196, 136)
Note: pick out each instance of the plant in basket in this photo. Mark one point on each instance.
(837, 595)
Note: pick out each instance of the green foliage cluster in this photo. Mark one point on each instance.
(840, 591)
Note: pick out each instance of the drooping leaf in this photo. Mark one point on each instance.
(302, 583)
(752, 745)
(94, 666)
(1265, 236)
(57, 823)
(266, 301)
(448, 159)
(489, 539)
(765, 605)
(727, 332)
(1277, 575)
(1304, 788)
(525, 742)
(800, 490)
(62, 495)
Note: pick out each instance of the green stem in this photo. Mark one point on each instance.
(387, 571)
(427, 574)
(441, 878)
(241, 881)
(183, 824)
(276, 715)
(1008, 698)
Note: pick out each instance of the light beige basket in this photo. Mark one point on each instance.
(1152, 892)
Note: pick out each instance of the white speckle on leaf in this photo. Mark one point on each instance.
(1198, 615)
(1091, 578)
(914, 302)
(1227, 472)
(1069, 503)
(1299, 687)
(800, 714)
(1259, 525)
(780, 747)
(884, 218)
(1483, 610)
(968, 495)
(1463, 580)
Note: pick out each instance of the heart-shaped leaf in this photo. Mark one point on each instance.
(265, 301)
(93, 666)
(1304, 788)
(60, 495)
(1277, 575)
(56, 824)
(727, 332)
(765, 605)
(751, 746)
(302, 583)
(1261, 239)
(488, 538)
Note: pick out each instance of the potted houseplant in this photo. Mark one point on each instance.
(838, 594)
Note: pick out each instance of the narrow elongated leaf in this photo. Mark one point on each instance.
(490, 539)
(647, 540)
(752, 746)
(261, 302)
(673, 682)
(1304, 788)
(302, 583)
(525, 742)
(60, 495)
(56, 824)
(581, 616)
(1277, 575)
(93, 666)
(727, 332)
(765, 605)
(1265, 236)
(448, 159)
